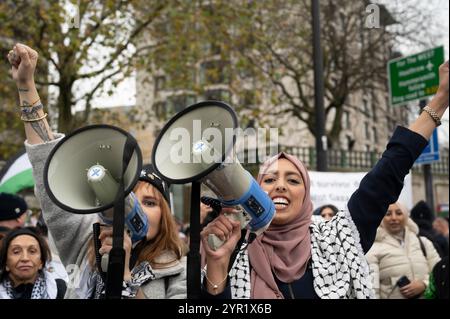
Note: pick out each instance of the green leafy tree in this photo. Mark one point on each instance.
(84, 41)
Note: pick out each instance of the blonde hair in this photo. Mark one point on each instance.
(167, 239)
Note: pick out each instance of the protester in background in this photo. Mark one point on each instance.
(180, 229)
(205, 210)
(295, 258)
(23, 254)
(423, 216)
(440, 224)
(399, 251)
(154, 267)
(327, 212)
(55, 265)
(438, 287)
(12, 213)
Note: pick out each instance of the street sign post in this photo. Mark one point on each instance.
(431, 152)
(414, 77)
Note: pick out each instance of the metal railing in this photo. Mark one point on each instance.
(347, 161)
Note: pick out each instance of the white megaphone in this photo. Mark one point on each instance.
(197, 144)
(83, 170)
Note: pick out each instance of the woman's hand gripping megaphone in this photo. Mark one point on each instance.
(221, 235)
(106, 240)
(236, 214)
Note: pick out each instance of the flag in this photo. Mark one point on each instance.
(16, 175)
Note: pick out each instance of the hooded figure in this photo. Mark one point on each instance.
(423, 216)
(12, 212)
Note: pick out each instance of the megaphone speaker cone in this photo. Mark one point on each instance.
(195, 142)
(91, 155)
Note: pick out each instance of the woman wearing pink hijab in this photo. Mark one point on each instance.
(296, 258)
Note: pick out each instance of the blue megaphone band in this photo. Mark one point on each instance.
(137, 222)
(257, 203)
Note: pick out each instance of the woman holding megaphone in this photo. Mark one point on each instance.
(154, 266)
(296, 258)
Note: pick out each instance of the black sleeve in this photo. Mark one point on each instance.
(383, 184)
(62, 287)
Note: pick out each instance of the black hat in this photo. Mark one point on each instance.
(422, 211)
(149, 175)
(11, 206)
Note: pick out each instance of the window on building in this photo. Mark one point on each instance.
(350, 143)
(160, 83)
(176, 103)
(367, 130)
(214, 72)
(374, 112)
(375, 134)
(388, 123)
(366, 106)
(346, 120)
(249, 98)
(160, 109)
(218, 95)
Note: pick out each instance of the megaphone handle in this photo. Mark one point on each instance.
(215, 242)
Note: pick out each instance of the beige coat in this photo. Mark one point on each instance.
(389, 261)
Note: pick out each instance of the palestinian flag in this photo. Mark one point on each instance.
(16, 175)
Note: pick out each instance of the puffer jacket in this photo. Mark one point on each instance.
(389, 260)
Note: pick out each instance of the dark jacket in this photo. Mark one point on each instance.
(423, 216)
(439, 280)
(368, 204)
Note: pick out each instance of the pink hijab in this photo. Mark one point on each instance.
(282, 249)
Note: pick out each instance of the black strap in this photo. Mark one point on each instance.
(193, 258)
(62, 287)
(166, 284)
(422, 246)
(97, 245)
(116, 264)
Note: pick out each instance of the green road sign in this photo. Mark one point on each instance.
(414, 77)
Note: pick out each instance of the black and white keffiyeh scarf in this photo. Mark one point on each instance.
(140, 274)
(339, 266)
(39, 290)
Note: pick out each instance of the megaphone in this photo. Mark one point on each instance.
(66, 168)
(83, 170)
(91, 170)
(197, 144)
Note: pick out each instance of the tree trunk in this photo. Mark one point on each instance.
(333, 135)
(65, 118)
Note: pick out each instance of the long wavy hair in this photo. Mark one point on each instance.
(166, 240)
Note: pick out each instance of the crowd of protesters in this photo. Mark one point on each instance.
(373, 248)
